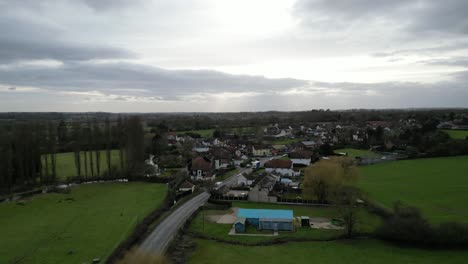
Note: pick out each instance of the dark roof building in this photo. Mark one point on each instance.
(278, 164)
(201, 163)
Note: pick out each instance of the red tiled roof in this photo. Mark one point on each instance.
(201, 163)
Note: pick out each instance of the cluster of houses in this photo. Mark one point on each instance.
(292, 148)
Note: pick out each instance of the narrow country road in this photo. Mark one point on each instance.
(160, 238)
(233, 179)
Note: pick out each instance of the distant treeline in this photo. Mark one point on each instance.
(28, 149)
(196, 121)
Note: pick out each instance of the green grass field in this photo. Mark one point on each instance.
(285, 141)
(208, 133)
(202, 223)
(457, 134)
(66, 163)
(437, 186)
(344, 251)
(357, 153)
(77, 227)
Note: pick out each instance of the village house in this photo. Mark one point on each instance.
(309, 144)
(259, 150)
(280, 166)
(187, 186)
(221, 157)
(261, 191)
(301, 158)
(200, 168)
(242, 180)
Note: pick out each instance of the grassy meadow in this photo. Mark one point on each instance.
(87, 223)
(285, 141)
(457, 134)
(207, 133)
(437, 186)
(333, 252)
(66, 163)
(352, 153)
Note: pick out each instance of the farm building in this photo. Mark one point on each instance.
(264, 219)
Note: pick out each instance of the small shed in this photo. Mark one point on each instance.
(305, 221)
(239, 225)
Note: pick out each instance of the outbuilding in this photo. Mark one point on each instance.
(239, 225)
(267, 219)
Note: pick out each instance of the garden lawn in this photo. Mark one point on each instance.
(87, 223)
(457, 134)
(352, 153)
(227, 174)
(437, 186)
(66, 164)
(333, 252)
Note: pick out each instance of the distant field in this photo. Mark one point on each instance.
(202, 224)
(437, 186)
(457, 134)
(357, 152)
(202, 132)
(66, 163)
(285, 141)
(344, 251)
(77, 227)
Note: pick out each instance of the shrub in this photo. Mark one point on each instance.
(407, 226)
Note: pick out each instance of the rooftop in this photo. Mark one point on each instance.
(265, 213)
(278, 163)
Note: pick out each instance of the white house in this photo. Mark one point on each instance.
(301, 158)
(280, 166)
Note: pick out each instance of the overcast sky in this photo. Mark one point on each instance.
(243, 55)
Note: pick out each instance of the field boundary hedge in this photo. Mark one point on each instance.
(142, 228)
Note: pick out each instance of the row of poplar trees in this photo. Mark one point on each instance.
(28, 150)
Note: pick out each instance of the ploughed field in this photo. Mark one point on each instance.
(333, 252)
(437, 186)
(87, 223)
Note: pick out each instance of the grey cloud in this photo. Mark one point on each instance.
(104, 5)
(317, 95)
(119, 78)
(17, 50)
(350, 9)
(97, 5)
(454, 61)
(12, 88)
(449, 16)
(417, 17)
(31, 38)
(457, 45)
